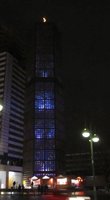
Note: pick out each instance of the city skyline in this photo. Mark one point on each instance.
(85, 55)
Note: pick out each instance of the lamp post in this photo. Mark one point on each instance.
(92, 138)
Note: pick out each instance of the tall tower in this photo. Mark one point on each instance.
(12, 90)
(45, 128)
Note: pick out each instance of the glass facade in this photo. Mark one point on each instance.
(44, 106)
(43, 110)
(44, 128)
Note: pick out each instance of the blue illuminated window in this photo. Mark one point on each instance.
(39, 133)
(39, 104)
(49, 165)
(50, 133)
(49, 155)
(49, 104)
(39, 166)
(44, 73)
(39, 95)
(45, 166)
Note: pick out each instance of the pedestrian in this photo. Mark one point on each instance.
(14, 184)
(19, 188)
(32, 184)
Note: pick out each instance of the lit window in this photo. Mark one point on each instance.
(50, 133)
(49, 104)
(39, 166)
(49, 155)
(61, 181)
(39, 104)
(39, 133)
(39, 95)
(49, 165)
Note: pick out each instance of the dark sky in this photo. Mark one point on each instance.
(85, 29)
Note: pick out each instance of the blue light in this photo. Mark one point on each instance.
(39, 133)
(49, 155)
(39, 166)
(49, 95)
(41, 104)
(49, 104)
(49, 165)
(50, 133)
(45, 166)
(44, 73)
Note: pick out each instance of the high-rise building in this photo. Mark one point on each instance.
(44, 133)
(12, 91)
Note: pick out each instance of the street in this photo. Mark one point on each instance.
(31, 197)
(34, 196)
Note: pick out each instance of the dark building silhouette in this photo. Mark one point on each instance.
(12, 91)
(44, 130)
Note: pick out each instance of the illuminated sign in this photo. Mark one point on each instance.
(61, 181)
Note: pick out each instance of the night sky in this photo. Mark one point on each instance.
(85, 30)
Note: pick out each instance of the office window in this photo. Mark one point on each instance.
(39, 133)
(49, 165)
(39, 155)
(49, 155)
(50, 133)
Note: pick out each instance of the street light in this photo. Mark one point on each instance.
(92, 138)
(1, 107)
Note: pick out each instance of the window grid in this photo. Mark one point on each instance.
(44, 128)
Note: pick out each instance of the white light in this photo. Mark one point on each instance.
(2, 185)
(44, 19)
(45, 177)
(1, 107)
(79, 198)
(11, 174)
(74, 181)
(95, 138)
(34, 178)
(61, 181)
(85, 133)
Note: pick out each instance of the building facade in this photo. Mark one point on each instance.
(44, 131)
(79, 164)
(12, 91)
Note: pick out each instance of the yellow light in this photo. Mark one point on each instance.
(24, 182)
